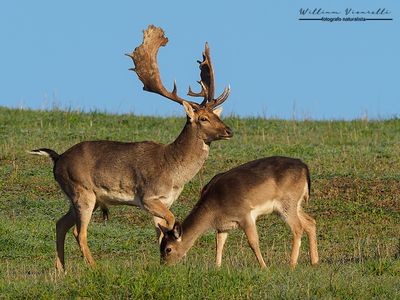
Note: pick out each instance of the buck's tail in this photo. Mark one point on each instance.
(46, 152)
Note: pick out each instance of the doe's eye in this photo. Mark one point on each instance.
(168, 250)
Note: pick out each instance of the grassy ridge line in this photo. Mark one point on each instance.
(355, 199)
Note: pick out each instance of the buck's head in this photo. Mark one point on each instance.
(207, 123)
(204, 116)
(171, 247)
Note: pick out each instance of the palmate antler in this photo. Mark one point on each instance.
(145, 59)
(207, 82)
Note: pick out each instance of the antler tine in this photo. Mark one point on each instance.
(203, 92)
(145, 59)
(207, 83)
(207, 78)
(221, 99)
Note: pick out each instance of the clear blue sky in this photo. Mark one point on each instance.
(71, 54)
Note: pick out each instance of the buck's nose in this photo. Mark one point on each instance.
(228, 132)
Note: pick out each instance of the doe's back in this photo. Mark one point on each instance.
(250, 184)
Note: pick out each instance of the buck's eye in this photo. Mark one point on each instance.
(168, 250)
(203, 119)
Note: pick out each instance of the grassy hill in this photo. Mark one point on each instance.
(355, 168)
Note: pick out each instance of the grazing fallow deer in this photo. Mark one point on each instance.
(237, 198)
(148, 175)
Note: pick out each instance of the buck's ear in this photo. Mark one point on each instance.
(177, 231)
(218, 111)
(189, 110)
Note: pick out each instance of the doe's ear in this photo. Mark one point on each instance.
(163, 229)
(177, 231)
(218, 111)
(189, 110)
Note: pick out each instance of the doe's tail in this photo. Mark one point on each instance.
(308, 183)
(308, 180)
(46, 152)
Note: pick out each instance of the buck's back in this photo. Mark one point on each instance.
(109, 165)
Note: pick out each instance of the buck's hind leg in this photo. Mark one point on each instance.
(75, 231)
(63, 225)
(84, 204)
(106, 214)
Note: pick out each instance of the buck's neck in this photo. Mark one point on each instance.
(196, 223)
(187, 154)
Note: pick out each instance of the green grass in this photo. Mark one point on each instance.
(355, 168)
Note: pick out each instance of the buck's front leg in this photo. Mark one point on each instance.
(157, 222)
(160, 210)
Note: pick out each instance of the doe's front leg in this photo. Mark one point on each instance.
(250, 229)
(220, 242)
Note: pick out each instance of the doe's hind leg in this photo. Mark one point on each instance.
(310, 228)
(296, 227)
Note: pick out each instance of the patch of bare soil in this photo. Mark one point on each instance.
(382, 193)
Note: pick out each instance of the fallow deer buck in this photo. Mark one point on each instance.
(237, 198)
(148, 175)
